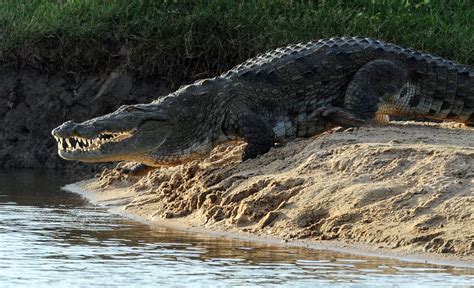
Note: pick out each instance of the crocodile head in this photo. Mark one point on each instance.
(129, 133)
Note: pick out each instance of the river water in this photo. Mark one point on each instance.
(49, 237)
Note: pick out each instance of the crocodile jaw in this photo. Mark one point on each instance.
(91, 149)
(129, 133)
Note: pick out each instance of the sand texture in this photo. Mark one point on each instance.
(407, 187)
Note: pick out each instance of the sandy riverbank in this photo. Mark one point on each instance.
(405, 188)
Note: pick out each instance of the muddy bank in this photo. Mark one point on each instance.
(33, 102)
(405, 187)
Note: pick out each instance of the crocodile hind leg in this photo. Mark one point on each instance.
(377, 81)
(250, 127)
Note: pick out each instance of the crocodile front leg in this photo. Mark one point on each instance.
(138, 169)
(252, 128)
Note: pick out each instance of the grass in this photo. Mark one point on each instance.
(184, 40)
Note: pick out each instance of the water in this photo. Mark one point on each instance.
(51, 238)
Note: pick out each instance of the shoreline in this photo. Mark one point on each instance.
(333, 245)
(404, 190)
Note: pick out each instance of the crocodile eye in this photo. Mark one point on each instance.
(404, 92)
(127, 108)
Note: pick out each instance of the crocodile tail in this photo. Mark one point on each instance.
(460, 106)
(445, 92)
(466, 92)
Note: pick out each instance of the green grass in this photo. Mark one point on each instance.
(181, 40)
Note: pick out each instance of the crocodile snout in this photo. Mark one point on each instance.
(66, 129)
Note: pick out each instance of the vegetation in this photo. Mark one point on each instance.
(183, 40)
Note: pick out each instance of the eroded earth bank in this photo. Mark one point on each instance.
(33, 102)
(405, 187)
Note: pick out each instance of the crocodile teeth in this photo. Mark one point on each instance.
(80, 144)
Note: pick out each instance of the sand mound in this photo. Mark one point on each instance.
(405, 186)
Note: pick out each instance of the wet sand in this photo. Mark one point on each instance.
(402, 190)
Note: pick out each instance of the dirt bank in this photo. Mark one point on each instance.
(33, 102)
(405, 187)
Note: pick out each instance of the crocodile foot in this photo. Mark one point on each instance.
(339, 116)
(137, 170)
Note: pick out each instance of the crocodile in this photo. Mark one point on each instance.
(296, 91)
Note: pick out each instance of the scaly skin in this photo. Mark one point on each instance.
(297, 91)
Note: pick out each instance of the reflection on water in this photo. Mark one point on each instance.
(50, 237)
